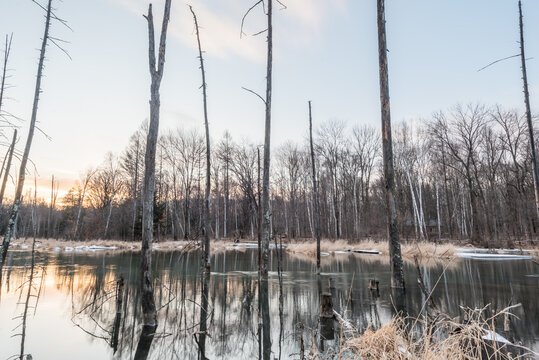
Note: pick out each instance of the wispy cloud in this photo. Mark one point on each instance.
(220, 23)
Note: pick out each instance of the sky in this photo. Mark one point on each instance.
(324, 50)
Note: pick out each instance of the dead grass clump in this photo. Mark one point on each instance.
(441, 338)
(386, 343)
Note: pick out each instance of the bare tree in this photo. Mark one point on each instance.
(397, 276)
(131, 164)
(207, 227)
(24, 160)
(266, 212)
(224, 154)
(156, 72)
(52, 204)
(85, 182)
(461, 135)
(528, 108)
(266, 191)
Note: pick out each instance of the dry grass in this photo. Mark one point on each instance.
(441, 339)
(304, 249)
(409, 250)
(51, 244)
(383, 343)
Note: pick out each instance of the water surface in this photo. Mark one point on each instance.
(72, 309)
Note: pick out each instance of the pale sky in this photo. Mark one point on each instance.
(325, 51)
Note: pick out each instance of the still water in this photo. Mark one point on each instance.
(72, 310)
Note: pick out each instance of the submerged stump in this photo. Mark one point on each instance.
(326, 305)
(327, 331)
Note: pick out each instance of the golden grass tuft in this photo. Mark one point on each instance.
(386, 343)
(441, 338)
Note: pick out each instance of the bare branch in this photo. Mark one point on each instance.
(260, 32)
(247, 13)
(253, 92)
(497, 61)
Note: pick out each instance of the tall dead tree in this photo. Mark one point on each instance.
(397, 275)
(266, 212)
(315, 193)
(156, 72)
(22, 171)
(528, 108)
(8, 165)
(266, 338)
(207, 227)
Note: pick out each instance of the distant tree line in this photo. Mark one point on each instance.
(464, 173)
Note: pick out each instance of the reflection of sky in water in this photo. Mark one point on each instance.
(79, 290)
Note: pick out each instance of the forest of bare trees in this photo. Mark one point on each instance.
(464, 173)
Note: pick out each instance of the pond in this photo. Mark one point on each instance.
(71, 309)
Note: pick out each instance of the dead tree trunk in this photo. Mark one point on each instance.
(397, 276)
(8, 166)
(528, 108)
(22, 171)
(266, 339)
(156, 72)
(315, 193)
(207, 227)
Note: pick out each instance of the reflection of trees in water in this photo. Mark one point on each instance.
(89, 283)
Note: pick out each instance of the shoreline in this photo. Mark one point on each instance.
(304, 247)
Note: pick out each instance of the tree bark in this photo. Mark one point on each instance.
(397, 276)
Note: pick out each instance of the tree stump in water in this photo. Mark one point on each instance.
(326, 305)
(374, 288)
(327, 331)
(374, 285)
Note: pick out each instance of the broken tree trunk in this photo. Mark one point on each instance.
(397, 276)
(156, 72)
(528, 109)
